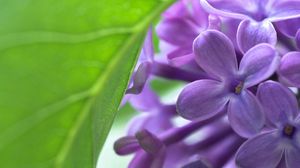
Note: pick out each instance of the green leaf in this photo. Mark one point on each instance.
(64, 66)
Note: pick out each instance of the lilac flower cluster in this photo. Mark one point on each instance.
(240, 60)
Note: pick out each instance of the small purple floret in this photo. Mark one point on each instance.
(282, 141)
(202, 99)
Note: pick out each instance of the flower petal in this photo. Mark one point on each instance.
(182, 60)
(292, 157)
(259, 63)
(225, 8)
(139, 78)
(285, 10)
(214, 52)
(146, 100)
(245, 114)
(262, 151)
(147, 53)
(279, 103)
(297, 38)
(289, 27)
(198, 14)
(201, 99)
(177, 10)
(289, 69)
(251, 33)
(177, 31)
(181, 55)
(155, 121)
(214, 22)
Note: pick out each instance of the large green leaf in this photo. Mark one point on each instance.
(64, 66)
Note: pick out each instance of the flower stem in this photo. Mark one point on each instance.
(174, 135)
(174, 73)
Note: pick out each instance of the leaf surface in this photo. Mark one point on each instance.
(64, 66)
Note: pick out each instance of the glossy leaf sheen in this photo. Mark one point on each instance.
(64, 66)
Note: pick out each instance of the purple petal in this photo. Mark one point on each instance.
(139, 78)
(154, 121)
(177, 31)
(146, 100)
(289, 27)
(262, 151)
(214, 52)
(147, 52)
(225, 8)
(177, 10)
(297, 38)
(198, 13)
(259, 63)
(289, 69)
(181, 55)
(285, 10)
(245, 114)
(229, 28)
(214, 22)
(201, 99)
(279, 103)
(251, 33)
(182, 60)
(181, 51)
(138, 123)
(125, 99)
(292, 157)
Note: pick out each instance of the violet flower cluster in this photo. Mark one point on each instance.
(240, 60)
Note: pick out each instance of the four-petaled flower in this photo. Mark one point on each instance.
(282, 141)
(203, 99)
(257, 17)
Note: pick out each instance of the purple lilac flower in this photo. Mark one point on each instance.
(155, 116)
(257, 17)
(289, 27)
(267, 149)
(169, 149)
(203, 99)
(235, 118)
(289, 70)
(143, 67)
(289, 32)
(180, 25)
(147, 65)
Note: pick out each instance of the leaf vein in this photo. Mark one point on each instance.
(27, 38)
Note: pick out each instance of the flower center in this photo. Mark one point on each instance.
(238, 88)
(289, 130)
